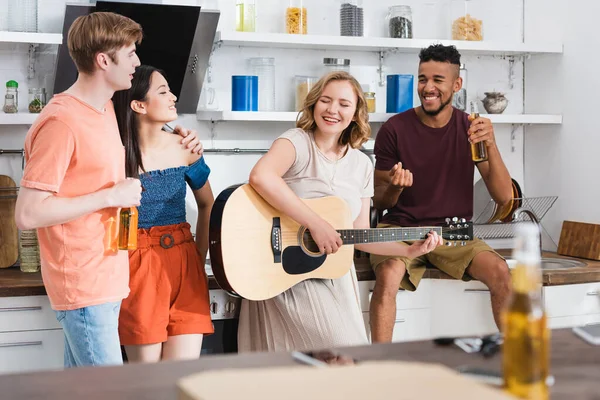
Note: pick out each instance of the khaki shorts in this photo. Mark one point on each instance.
(452, 260)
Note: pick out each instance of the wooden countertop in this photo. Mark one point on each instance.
(574, 365)
(13, 282)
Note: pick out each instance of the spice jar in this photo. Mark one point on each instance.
(12, 89)
(335, 64)
(464, 25)
(37, 99)
(303, 85)
(400, 22)
(351, 18)
(9, 104)
(295, 18)
(371, 102)
(245, 16)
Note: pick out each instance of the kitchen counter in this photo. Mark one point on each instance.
(586, 274)
(13, 282)
(574, 365)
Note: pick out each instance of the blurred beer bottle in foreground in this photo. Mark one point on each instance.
(526, 336)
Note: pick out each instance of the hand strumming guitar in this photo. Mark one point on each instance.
(325, 236)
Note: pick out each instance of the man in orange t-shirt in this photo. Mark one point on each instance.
(74, 184)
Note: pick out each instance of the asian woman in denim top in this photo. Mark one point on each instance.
(167, 311)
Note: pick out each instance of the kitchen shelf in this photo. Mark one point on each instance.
(31, 37)
(277, 116)
(377, 44)
(23, 118)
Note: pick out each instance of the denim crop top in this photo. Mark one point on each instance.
(163, 198)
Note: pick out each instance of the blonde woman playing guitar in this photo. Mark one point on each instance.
(319, 158)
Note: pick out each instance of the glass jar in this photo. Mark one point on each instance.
(295, 18)
(22, 15)
(12, 95)
(29, 251)
(303, 85)
(264, 68)
(371, 101)
(460, 98)
(245, 16)
(400, 22)
(465, 26)
(351, 18)
(9, 104)
(335, 64)
(37, 100)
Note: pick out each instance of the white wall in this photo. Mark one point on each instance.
(431, 19)
(563, 161)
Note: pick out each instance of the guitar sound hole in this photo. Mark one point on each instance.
(308, 242)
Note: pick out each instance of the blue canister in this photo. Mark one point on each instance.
(244, 93)
(399, 93)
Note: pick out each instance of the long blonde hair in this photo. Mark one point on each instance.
(359, 130)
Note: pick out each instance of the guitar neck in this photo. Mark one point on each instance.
(357, 236)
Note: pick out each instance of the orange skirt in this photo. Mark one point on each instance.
(169, 288)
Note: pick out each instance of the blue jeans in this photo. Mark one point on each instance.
(91, 335)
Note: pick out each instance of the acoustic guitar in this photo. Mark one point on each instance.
(257, 252)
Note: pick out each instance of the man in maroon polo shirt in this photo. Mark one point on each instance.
(424, 174)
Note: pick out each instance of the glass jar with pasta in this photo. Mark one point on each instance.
(295, 17)
(465, 24)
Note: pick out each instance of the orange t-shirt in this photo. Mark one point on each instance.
(72, 150)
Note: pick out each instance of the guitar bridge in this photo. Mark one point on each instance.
(276, 240)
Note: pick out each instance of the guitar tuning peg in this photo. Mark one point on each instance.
(463, 243)
(466, 237)
(455, 219)
(458, 237)
(448, 244)
(451, 237)
(447, 220)
(451, 227)
(463, 221)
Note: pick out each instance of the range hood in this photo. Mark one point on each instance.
(177, 39)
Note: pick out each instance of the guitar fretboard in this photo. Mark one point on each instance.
(356, 236)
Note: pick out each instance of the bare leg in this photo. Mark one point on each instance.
(383, 302)
(182, 347)
(493, 272)
(144, 353)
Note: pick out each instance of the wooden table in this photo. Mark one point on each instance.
(575, 366)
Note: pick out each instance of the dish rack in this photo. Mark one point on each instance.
(483, 229)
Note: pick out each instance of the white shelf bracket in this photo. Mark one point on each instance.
(31, 64)
(513, 129)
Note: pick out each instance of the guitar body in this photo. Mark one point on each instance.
(242, 242)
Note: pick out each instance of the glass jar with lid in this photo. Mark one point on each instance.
(400, 22)
(245, 16)
(12, 89)
(303, 85)
(296, 18)
(465, 25)
(335, 64)
(37, 100)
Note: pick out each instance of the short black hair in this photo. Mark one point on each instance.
(440, 53)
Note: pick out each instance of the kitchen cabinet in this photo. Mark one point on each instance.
(451, 308)
(31, 338)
